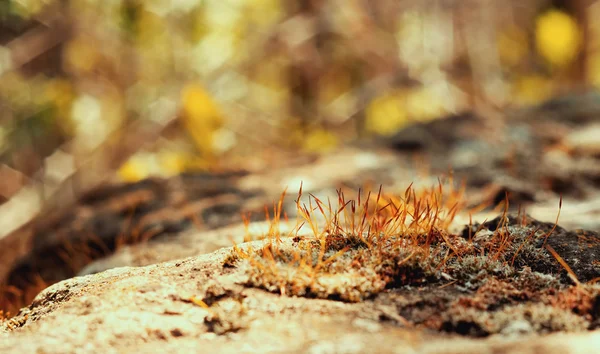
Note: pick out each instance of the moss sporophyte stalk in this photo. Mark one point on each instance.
(352, 249)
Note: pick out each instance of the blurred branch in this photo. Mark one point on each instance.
(52, 31)
(26, 212)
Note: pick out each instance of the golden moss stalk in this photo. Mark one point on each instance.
(351, 249)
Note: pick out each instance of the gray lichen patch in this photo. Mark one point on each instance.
(518, 319)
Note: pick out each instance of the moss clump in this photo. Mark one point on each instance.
(362, 246)
(499, 273)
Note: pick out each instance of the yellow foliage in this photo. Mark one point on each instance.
(151, 28)
(386, 114)
(154, 47)
(18, 92)
(532, 89)
(293, 131)
(424, 104)
(199, 27)
(61, 94)
(201, 117)
(271, 91)
(558, 38)
(172, 163)
(320, 140)
(134, 169)
(82, 54)
(594, 70)
(264, 12)
(145, 164)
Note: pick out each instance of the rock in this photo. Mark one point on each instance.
(197, 304)
(585, 140)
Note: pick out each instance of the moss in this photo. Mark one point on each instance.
(362, 248)
(337, 242)
(231, 259)
(301, 274)
(340, 268)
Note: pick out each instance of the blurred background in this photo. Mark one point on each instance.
(126, 89)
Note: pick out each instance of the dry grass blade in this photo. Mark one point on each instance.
(562, 262)
(556, 222)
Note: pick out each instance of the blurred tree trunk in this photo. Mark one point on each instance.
(304, 70)
(579, 9)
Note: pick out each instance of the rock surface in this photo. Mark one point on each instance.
(197, 304)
